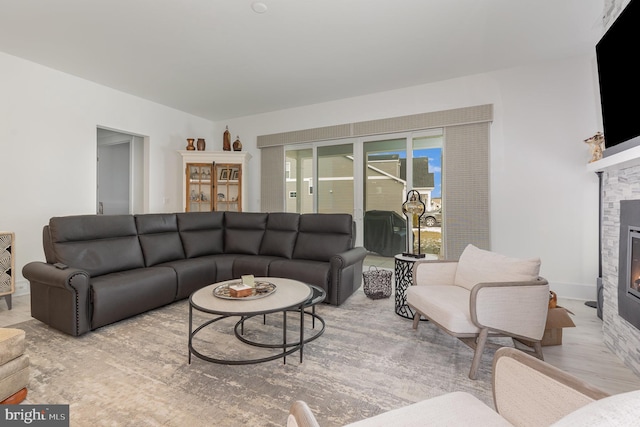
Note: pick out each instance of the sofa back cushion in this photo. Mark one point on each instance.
(280, 236)
(98, 244)
(320, 236)
(202, 233)
(243, 232)
(477, 265)
(159, 238)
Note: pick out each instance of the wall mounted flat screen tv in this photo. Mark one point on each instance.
(617, 55)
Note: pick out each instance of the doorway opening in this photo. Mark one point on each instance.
(120, 173)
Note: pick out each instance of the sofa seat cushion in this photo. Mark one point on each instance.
(258, 265)
(117, 296)
(192, 274)
(14, 376)
(12, 344)
(224, 266)
(310, 272)
(451, 409)
(446, 305)
(477, 266)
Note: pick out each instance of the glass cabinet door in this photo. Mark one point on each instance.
(199, 187)
(228, 184)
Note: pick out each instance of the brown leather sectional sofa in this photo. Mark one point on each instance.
(100, 269)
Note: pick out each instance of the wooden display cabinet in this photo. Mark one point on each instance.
(214, 180)
(199, 189)
(228, 187)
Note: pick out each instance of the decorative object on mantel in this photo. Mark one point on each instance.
(413, 208)
(190, 145)
(237, 145)
(201, 144)
(596, 143)
(226, 140)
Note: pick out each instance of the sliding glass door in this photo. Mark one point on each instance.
(369, 178)
(335, 179)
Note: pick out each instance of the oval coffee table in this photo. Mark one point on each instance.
(290, 295)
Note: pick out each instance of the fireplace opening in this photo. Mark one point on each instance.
(629, 262)
(633, 264)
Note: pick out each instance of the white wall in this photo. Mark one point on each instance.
(48, 123)
(543, 201)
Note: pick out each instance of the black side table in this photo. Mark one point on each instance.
(404, 278)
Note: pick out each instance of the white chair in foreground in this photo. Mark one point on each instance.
(526, 392)
(482, 294)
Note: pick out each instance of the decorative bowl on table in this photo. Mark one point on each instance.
(260, 290)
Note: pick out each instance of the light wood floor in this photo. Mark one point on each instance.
(582, 352)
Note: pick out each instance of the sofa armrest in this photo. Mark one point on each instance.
(346, 274)
(528, 391)
(348, 257)
(434, 272)
(60, 297)
(517, 308)
(51, 275)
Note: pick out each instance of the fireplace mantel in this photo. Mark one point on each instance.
(626, 158)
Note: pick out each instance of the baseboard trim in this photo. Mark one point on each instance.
(579, 291)
(22, 288)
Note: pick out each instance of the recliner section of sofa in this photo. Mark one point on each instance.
(100, 269)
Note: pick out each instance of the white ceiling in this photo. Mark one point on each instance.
(219, 59)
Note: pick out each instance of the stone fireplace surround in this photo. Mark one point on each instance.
(620, 181)
(628, 265)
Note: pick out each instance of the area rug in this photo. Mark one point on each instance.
(136, 372)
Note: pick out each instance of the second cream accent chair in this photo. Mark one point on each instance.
(482, 294)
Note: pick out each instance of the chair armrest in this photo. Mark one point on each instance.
(434, 272)
(516, 308)
(528, 391)
(300, 415)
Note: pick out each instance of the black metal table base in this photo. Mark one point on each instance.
(240, 333)
(287, 348)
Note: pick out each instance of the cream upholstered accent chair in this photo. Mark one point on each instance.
(482, 294)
